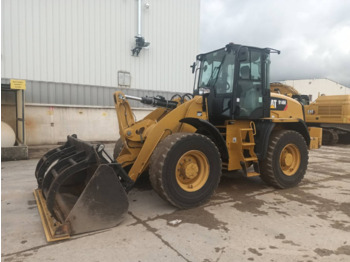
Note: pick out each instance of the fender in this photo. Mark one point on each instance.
(209, 130)
(301, 128)
(265, 128)
(262, 138)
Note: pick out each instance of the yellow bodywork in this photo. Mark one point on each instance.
(292, 112)
(315, 137)
(143, 136)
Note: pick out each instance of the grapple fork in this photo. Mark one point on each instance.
(80, 189)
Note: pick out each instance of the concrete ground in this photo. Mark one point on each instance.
(244, 221)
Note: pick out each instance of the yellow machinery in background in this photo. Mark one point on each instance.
(332, 113)
(290, 91)
(231, 121)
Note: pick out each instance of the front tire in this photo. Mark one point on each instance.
(286, 160)
(185, 169)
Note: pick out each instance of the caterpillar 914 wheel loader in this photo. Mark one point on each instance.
(231, 122)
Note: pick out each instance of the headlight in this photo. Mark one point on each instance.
(203, 91)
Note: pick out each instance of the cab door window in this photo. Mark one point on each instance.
(249, 93)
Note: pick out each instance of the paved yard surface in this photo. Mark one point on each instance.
(244, 221)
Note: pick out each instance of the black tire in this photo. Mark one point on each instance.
(344, 138)
(277, 173)
(164, 169)
(118, 148)
(329, 137)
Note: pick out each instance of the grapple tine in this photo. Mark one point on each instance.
(45, 157)
(48, 159)
(57, 169)
(51, 156)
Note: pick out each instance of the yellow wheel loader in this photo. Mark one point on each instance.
(230, 122)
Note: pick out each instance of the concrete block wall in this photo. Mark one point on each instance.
(50, 124)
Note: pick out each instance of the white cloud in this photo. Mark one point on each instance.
(341, 37)
(314, 36)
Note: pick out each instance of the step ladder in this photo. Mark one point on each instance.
(249, 156)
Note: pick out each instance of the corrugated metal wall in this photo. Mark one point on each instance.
(73, 94)
(86, 42)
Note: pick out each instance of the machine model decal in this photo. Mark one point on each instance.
(279, 104)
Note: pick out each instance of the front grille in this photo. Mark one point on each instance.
(330, 110)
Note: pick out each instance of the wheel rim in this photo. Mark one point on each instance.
(192, 170)
(290, 159)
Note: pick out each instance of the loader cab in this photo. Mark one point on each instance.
(235, 82)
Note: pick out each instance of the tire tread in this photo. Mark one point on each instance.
(159, 158)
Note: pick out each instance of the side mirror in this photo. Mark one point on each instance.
(193, 66)
(243, 54)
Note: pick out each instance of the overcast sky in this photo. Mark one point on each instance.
(313, 35)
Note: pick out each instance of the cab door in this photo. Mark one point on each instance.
(252, 92)
(221, 95)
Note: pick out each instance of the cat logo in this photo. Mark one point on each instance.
(279, 104)
(273, 103)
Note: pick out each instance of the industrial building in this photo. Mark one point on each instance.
(317, 87)
(74, 54)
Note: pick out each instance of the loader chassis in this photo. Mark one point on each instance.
(229, 123)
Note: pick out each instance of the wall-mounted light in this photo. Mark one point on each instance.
(140, 40)
(140, 43)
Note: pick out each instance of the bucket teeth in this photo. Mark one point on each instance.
(79, 190)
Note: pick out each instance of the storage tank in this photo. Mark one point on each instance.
(8, 137)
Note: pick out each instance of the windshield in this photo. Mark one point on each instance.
(217, 70)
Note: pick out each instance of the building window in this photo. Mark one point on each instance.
(124, 78)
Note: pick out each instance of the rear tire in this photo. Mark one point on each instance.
(185, 169)
(286, 160)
